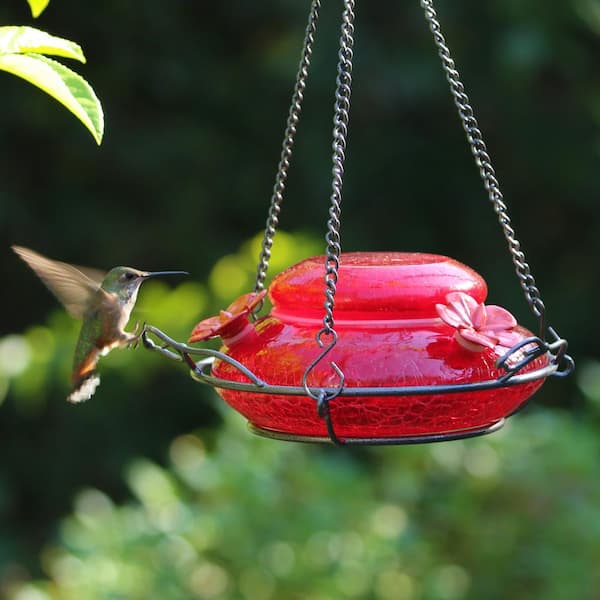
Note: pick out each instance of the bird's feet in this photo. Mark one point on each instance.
(134, 337)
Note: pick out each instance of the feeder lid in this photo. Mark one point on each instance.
(377, 285)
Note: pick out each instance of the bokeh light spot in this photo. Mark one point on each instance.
(209, 581)
(255, 584)
(588, 380)
(279, 557)
(451, 582)
(187, 452)
(389, 521)
(229, 279)
(482, 461)
(15, 355)
(393, 584)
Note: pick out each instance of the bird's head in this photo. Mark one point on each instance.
(125, 281)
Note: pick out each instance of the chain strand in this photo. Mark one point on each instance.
(483, 162)
(340, 133)
(287, 145)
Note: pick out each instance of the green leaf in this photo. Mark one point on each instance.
(23, 40)
(37, 7)
(69, 88)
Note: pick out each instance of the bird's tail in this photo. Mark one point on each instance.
(84, 388)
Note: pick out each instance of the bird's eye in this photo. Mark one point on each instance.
(128, 276)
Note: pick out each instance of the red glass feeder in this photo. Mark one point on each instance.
(413, 354)
(391, 339)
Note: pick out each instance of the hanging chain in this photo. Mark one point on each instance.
(286, 151)
(327, 336)
(340, 133)
(483, 162)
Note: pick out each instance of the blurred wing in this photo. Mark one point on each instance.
(95, 275)
(70, 285)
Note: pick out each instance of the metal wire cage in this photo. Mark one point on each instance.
(514, 366)
(200, 361)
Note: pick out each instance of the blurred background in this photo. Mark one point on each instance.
(154, 489)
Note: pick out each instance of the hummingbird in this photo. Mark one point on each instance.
(103, 301)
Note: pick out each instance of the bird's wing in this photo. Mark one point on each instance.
(70, 285)
(95, 275)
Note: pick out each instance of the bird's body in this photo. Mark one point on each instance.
(103, 301)
(103, 329)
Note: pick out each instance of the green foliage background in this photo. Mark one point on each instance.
(153, 489)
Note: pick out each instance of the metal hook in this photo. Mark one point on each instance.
(326, 349)
(559, 349)
(323, 396)
(538, 348)
(325, 414)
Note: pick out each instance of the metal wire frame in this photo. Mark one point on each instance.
(389, 441)
(559, 365)
(528, 349)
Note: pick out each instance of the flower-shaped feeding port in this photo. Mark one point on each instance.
(417, 347)
(229, 323)
(478, 326)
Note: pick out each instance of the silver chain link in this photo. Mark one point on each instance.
(327, 336)
(340, 133)
(286, 151)
(483, 162)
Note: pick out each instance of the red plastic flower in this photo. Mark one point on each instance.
(229, 322)
(478, 326)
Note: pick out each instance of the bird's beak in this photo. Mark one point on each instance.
(161, 273)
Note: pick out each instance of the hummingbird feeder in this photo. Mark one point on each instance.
(374, 347)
